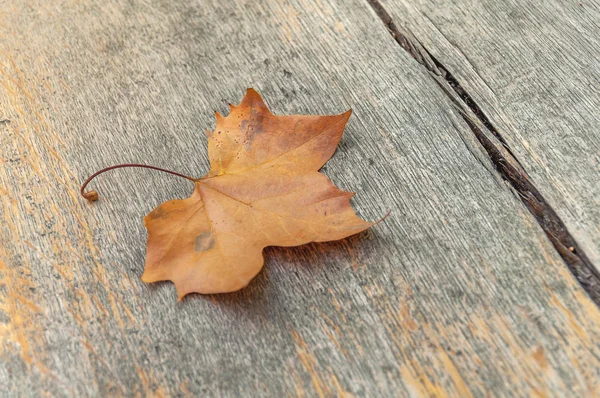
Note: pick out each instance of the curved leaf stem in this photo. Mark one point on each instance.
(93, 195)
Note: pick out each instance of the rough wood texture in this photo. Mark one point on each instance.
(534, 70)
(458, 293)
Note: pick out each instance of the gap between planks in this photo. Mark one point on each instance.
(501, 156)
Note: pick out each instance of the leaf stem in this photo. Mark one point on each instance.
(92, 196)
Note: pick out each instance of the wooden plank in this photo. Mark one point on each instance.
(457, 293)
(534, 70)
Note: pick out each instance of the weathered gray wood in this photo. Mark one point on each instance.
(458, 292)
(534, 69)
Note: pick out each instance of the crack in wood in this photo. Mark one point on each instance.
(503, 159)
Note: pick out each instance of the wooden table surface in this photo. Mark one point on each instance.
(476, 122)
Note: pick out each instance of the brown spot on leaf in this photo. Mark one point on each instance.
(204, 242)
(252, 127)
(157, 213)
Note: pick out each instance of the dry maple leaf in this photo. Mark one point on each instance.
(263, 189)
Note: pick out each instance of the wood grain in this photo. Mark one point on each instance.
(457, 293)
(534, 70)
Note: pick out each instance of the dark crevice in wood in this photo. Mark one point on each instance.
(577, 261)
(502, 158)
(471, 104)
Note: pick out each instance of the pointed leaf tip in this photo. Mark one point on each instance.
(254, 100)
(346, 115)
